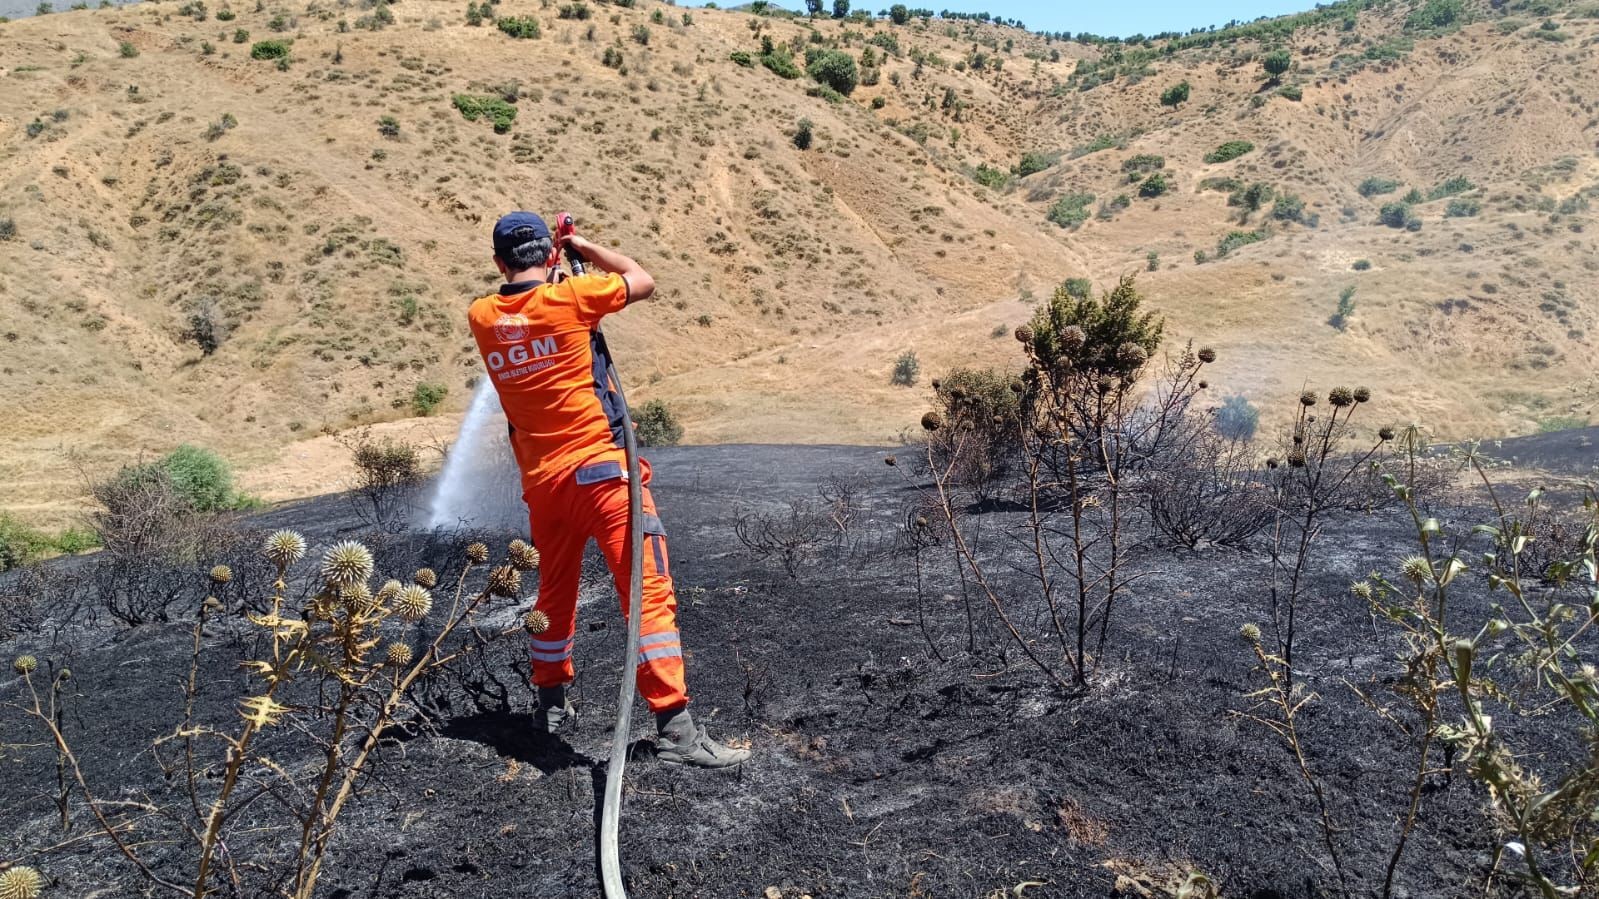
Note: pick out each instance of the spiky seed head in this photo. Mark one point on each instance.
(1341, 397)
(1361, 589)
(358, 599)
(221, 574)
(389, 591)
(1296, 458)
(21, 882)
(522, 556)
(1416, 568)
(1362, 394)
(932, 421)
(937, 383)
(398, 655)
(66, 674)
(426, 577)
(1017, 387)
(890, 461)
(25, 664)
(1131, 355)
(284, 548)
(505, 581)
(1272, 463)
(477, 554)
(1299, 439)
(1307, 399)
(1250, 632)
(1204, 385)
(535, 622)
(1385, 433)
(1073, 338)
(1024, 334)
(347, 563)
(1588, 673)
(1207, 355)
(921, 521)
(413, 603)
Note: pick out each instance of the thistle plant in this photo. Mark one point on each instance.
(21, 882)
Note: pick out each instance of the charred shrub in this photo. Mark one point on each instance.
(800, 533)
(1209, 493)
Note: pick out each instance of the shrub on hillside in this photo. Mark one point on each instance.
(835, 69)
(1462, 207)
(1176, 95)
(271, 49)
(1070, 210)
(1236, 239)
(1374, 186)
(988, 176)
(1236, 418)
(804, 134)
(979, 434)
(8, 229)
(1457, 184)
(1032, 163)
(657, 425)
(1435, 15)
(19, 544)
(577, 11)
(127, 50)
(781, 63)
(1276, 63)
(200, 477)
(426, 397)
(496, 110)
(386, 471)
(1394, 215)
(1144, 162)
(906, 369)
(1346, 308)
(1154, 185)
(1292, 92)
(524, 27)
(1288, 208)
(1229, 151)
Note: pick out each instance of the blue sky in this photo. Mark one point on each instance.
(1117, 17)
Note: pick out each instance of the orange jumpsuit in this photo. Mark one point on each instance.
(544, 354)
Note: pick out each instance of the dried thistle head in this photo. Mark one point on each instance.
(398, 655)
(1341, 397)
(890, 461)
(1362, 394)
(389, 591)
(21, 882)
(221, 574)
(522, 556)
(347, 563)
(1296, 458)
(25, 664)
(1207, 355)
(1073, 338)
(1250, 632)
(504, 581)
(1416, 568)
(1307, 399)
(477, 554)
(358, 599)
(1204, 385)
(932, 421)
(535, 622)
(1272, 463)
(1361, 589)
(413, 603)
(1385, 434)
(284, 548)
(1024, 334)
(1106, 384)
(427, 577)
(937, 383)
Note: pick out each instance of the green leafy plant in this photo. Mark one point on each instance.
(269, 49)
(1229, 151)
(523, 27)
(804, 134)
(1276, 63)
(657, 424)
(1375, 186)
(1176, 95)
(426, 397)
(473, 107)
(1346, 308)
(1071, 209)
(835, 69)
(906, 369)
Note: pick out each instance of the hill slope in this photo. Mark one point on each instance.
(169, 195)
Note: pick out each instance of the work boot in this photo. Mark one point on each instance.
(554, 708)
(682, 742)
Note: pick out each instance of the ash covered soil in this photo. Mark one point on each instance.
(879, 769)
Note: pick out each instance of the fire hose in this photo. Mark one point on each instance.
(611, 807)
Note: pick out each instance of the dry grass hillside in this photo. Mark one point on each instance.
(203, 246)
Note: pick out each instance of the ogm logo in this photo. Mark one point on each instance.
(511, 328)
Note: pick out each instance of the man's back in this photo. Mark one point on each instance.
(538, 345)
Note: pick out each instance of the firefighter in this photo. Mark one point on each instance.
(542, 349)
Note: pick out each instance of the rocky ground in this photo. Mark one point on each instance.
(887, 764)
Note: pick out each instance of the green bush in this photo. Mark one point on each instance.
(879, 101)
(1412, 197)
(496, 110)
(1153, 186)
(781, 63)
(611, 58)
(19, 544)
(1070, 210)
(426, 397)
(272, 49)
(1346, 308)
(1276, 63)
(1108, 323)
(1176, 95)
(1372, 187)
(906, 369)
(1462, 207)
(574, 11)
(1288, 208)
(1458, 184)
(836, 69)
(742, 58)
(127, 50)
(1292, 92)
(988, 176)
(524, 27)
(1229, 151)
(1032, 163)
(240, 35)
(389, 126)
(803, 134)
(1362, 265)
(1236, 239)
(200, 477)
(1144, 162)
(1078, 288)
(656, 425)
(1438, 15)
(1394, 215)
(8, 229)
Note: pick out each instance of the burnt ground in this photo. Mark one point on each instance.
(879, 771)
